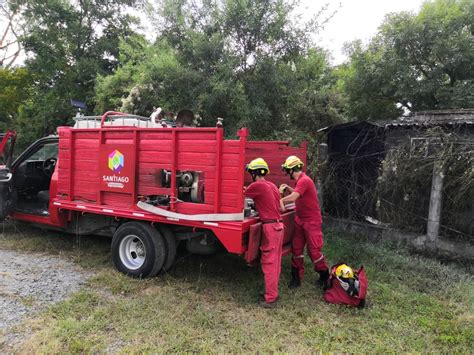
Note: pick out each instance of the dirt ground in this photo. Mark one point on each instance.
(29, 282)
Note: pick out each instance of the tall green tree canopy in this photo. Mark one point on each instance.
(416, 62)
(251, 62)
(15, 91)
(68, 44)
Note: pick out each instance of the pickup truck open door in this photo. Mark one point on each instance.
(7, 143)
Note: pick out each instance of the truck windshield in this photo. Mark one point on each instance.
(47, 151)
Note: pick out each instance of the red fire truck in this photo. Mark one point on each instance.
(146, 186)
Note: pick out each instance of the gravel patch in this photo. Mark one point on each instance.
(30, 282)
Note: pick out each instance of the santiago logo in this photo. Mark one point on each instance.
(116, 161)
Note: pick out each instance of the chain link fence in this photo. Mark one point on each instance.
(389, 181)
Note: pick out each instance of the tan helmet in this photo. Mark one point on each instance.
(292, 162)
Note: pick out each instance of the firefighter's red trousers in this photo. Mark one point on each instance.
(309, 233)
(271, 245)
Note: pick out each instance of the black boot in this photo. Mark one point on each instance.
(323, 279)
(295, 279)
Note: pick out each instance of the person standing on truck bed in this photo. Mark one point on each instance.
(267, 202)
(308, 223)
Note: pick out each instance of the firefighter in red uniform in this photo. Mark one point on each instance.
(267, 202)
(308, 223)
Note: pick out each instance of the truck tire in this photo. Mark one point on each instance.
(170, 246)
(138, 250)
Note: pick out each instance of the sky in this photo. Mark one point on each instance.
(355, 19)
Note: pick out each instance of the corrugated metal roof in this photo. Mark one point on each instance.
(419, 119)
(433, 118)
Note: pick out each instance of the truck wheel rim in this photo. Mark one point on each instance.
(132, 252)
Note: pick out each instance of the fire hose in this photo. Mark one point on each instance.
(208, 217)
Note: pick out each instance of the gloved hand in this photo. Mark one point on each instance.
(282, 188)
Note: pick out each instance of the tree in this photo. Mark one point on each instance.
(316, 99)
(14, 91)
(10, 45)
(237, 59)
(68, 45)
(370, 84)
(416, 62)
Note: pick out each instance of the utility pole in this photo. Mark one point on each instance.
(436, 198)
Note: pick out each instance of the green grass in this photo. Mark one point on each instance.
(209, 304)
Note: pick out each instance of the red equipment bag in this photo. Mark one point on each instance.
(335, 293)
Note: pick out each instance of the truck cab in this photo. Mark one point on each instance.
(26, 181)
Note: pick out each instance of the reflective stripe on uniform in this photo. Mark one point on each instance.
(319, 259)
(298, 257)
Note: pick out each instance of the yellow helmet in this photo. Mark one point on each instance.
(258, 166)
(292, 162)
(344, 271)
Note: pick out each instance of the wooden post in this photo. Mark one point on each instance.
(434, 216)
(323, 154)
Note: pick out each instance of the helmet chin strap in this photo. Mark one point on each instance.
(291, 174)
